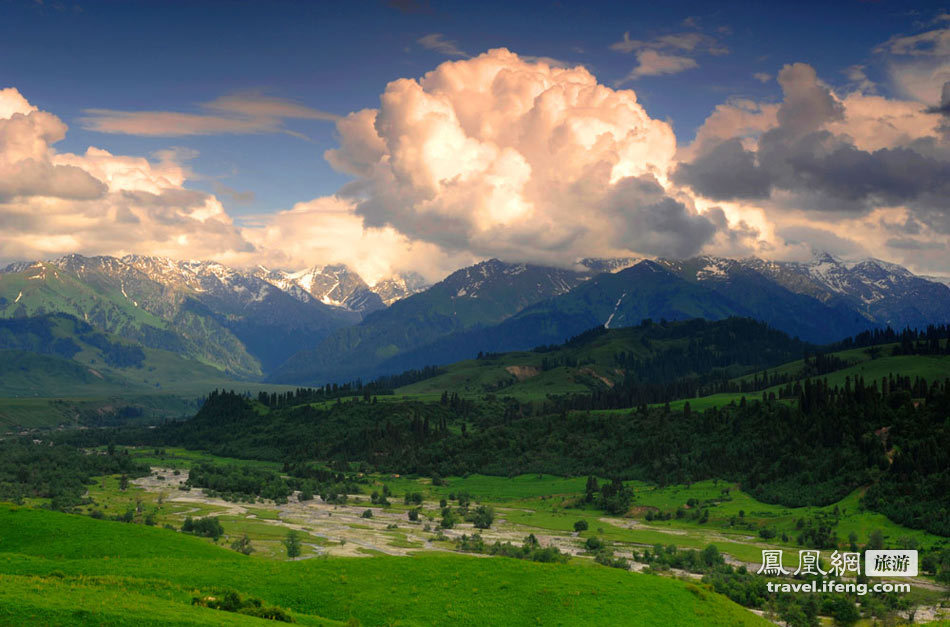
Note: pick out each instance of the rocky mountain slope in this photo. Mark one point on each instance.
(233, 321)
(327, 324)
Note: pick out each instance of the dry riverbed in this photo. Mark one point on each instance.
(341, 530)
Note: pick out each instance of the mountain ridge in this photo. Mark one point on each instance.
(326, 324)
(201, 310)
(819, 302)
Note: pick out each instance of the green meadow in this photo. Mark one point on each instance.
(489, 488)
(104, 572)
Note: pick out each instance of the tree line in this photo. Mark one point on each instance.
(61, 473)
(891, 434)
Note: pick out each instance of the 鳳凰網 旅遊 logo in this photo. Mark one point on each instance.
(877, 563)
(890, 563)
(841, 572)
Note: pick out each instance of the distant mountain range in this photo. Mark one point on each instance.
(474, 310)
(327, 324)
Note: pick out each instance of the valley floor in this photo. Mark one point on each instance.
(333, 536)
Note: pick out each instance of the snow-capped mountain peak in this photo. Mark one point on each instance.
(882, 291)
(336, 285)
(399, 286)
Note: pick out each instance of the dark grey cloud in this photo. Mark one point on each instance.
(909, 226)
(652, 223)
(727, 171)
(907, 243)
(32, 177)
(820, 240)
(884, 177)
(944, 107)
(820, 170)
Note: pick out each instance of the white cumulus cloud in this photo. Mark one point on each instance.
(498, 156)
(96, 202)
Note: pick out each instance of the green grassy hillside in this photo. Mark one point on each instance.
(601, 358)
(24, 373)
(64, 569)
(103, 302)
(47, 288)
(929, 367)
(61, 355)
(592, 365)
(56, 370)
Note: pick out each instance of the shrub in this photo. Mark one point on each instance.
(208, 527)
(594, 543)
(243, 545)
(483, 518)
(231, 601)
(448, 518)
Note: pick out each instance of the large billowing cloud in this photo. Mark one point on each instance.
(27, 167)
(823, 159)
(498, 156)
(52, 203)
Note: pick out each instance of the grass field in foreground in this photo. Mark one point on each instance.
(59, 568)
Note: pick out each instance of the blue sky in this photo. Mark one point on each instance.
(261, 85)
(69, 56)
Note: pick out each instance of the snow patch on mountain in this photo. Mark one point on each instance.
(608, 264)
(714, 269)
(614, 312)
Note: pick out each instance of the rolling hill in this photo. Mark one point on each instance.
(602, 358)
(56, 369)
(239, 324)
(66, 569)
